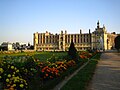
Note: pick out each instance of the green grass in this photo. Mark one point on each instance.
(22, 53)
(42, 56)
(81, 80)
(47, 55)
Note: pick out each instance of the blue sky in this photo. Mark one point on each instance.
(19, 19)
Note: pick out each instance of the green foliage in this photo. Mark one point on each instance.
(117, 43)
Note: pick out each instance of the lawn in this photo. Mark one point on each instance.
(42, 56)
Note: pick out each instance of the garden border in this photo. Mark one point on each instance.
(63, 82)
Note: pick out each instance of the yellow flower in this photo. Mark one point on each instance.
(13, 72)
(16, 80)
(8, 66)
(9, 75)
(17, 70)
(24, 80)
(4, 62)
(0, 77)
(17, 77)
(7, 80)
(1, 70)
(13, 75)
(14, 85)
(26, 83)
(21, 85)
(12, 67)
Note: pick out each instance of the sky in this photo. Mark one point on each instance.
(19, 19)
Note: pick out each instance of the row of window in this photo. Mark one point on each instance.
(78, 40)
(55, 39)
(81, 48)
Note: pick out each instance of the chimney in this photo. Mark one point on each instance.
(65, 32)
(89, 31)
(80, 31)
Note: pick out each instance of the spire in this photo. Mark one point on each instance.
(103, 26)
(104, 29)
(98, 24)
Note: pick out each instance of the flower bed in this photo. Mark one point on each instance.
(26, 73)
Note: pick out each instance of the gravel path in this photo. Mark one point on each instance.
(107, 74)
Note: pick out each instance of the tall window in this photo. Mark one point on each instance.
(43, 38)
(50, 39)
(46, 39)
(84, 39)
(40, 38)
(71, 36)
(74, 38)
(66, 39)
(81, 39)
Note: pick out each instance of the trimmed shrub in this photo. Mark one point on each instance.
(73, 52)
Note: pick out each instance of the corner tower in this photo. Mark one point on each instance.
(99, 37)
(35, 35)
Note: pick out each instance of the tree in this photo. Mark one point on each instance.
(32, 47)
(73, 52)
(0, 48)
(117, 43)
(28, 44)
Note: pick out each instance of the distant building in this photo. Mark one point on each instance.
(6, 46)
(20, 46)
(99, 39)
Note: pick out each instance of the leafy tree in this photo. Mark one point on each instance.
(117, 43)
(28, 44)
(4, 48)
(73, 52)
(0, 48)
(32, 47)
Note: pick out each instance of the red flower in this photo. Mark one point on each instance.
(46, 75)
